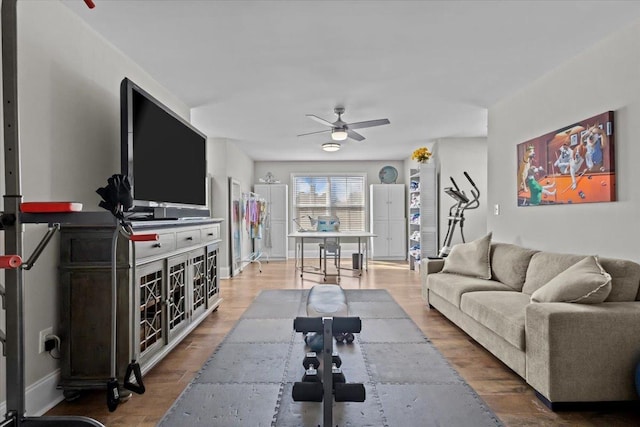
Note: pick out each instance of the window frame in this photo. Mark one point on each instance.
(330, 207)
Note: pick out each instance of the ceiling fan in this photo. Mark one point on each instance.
(340, 130)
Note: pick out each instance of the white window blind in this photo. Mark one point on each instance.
(340, 195)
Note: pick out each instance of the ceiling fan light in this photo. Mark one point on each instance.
(339, 135)
(330, 146)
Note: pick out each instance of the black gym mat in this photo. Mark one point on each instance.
(247, 381)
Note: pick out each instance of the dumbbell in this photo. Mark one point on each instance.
(336, 372)
(311, 360)
(348, 337)
(311, 364)
(336, 361)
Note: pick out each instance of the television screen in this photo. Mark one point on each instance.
(163, 155)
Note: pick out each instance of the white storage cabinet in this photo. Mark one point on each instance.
(388, 221)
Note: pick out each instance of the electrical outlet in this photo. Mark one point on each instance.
(496, 209)
(42, 339)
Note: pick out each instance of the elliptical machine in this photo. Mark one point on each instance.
(456, 211)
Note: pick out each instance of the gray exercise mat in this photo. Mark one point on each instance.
(248, 380)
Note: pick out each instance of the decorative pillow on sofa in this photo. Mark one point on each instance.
(470, 259)
(585, 282)
(509, 264)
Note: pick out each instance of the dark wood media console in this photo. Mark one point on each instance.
(165, 289)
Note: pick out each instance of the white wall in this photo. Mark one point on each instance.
(69, 117)
(225, 161)
(455, 156)
(606, 77)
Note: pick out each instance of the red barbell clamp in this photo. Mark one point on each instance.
(10, 261)
(144, 237)
(50, 207)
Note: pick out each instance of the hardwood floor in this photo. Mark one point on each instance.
(505, 392)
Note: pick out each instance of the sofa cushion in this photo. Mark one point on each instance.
(452, 286)
(625, 279)
(509, 264)
(501, 312)
(544, 266)
(585, 282)
(625, 275)
(470, 259)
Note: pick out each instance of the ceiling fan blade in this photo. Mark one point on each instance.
(311, 133)
(368, 124)
(319, 120)
(355, 135)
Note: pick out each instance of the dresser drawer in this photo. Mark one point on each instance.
(211, 233)
(187, 238)
(165, 243)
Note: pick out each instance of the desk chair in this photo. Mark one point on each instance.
(329, 248)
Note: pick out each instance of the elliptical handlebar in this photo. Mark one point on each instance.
(470, 180)
(475, 192)
(456, 212)
(454, 183)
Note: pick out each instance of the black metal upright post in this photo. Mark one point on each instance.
(327, 371)
(13, 230)
(13, 240)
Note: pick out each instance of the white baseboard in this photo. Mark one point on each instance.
(43, 394)
(40, 396)
(224, 272)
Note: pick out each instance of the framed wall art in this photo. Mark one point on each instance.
(574, 164)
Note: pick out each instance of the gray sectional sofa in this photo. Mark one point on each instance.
(514, 302)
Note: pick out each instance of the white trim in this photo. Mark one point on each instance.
(224, 272)
(43, 394)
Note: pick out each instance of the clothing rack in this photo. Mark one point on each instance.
(255, 218)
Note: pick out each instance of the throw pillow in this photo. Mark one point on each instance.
(585, 282)
(470, 259)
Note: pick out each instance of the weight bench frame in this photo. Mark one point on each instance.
(328, 326)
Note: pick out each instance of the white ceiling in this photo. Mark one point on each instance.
(251, 70)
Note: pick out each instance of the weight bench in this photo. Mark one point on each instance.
(327, 309)
(329, 301)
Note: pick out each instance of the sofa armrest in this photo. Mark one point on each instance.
(429, 266)
(583, 352)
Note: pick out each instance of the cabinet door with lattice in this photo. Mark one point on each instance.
(177, 307)
(198, 278)
(213, 278)
(150, 318)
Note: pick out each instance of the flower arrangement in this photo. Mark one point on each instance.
(422, 155)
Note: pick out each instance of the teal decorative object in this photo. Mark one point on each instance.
(388, 175)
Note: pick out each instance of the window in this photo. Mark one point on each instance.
(324, 194)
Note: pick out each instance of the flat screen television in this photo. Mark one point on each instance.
(163, 155)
